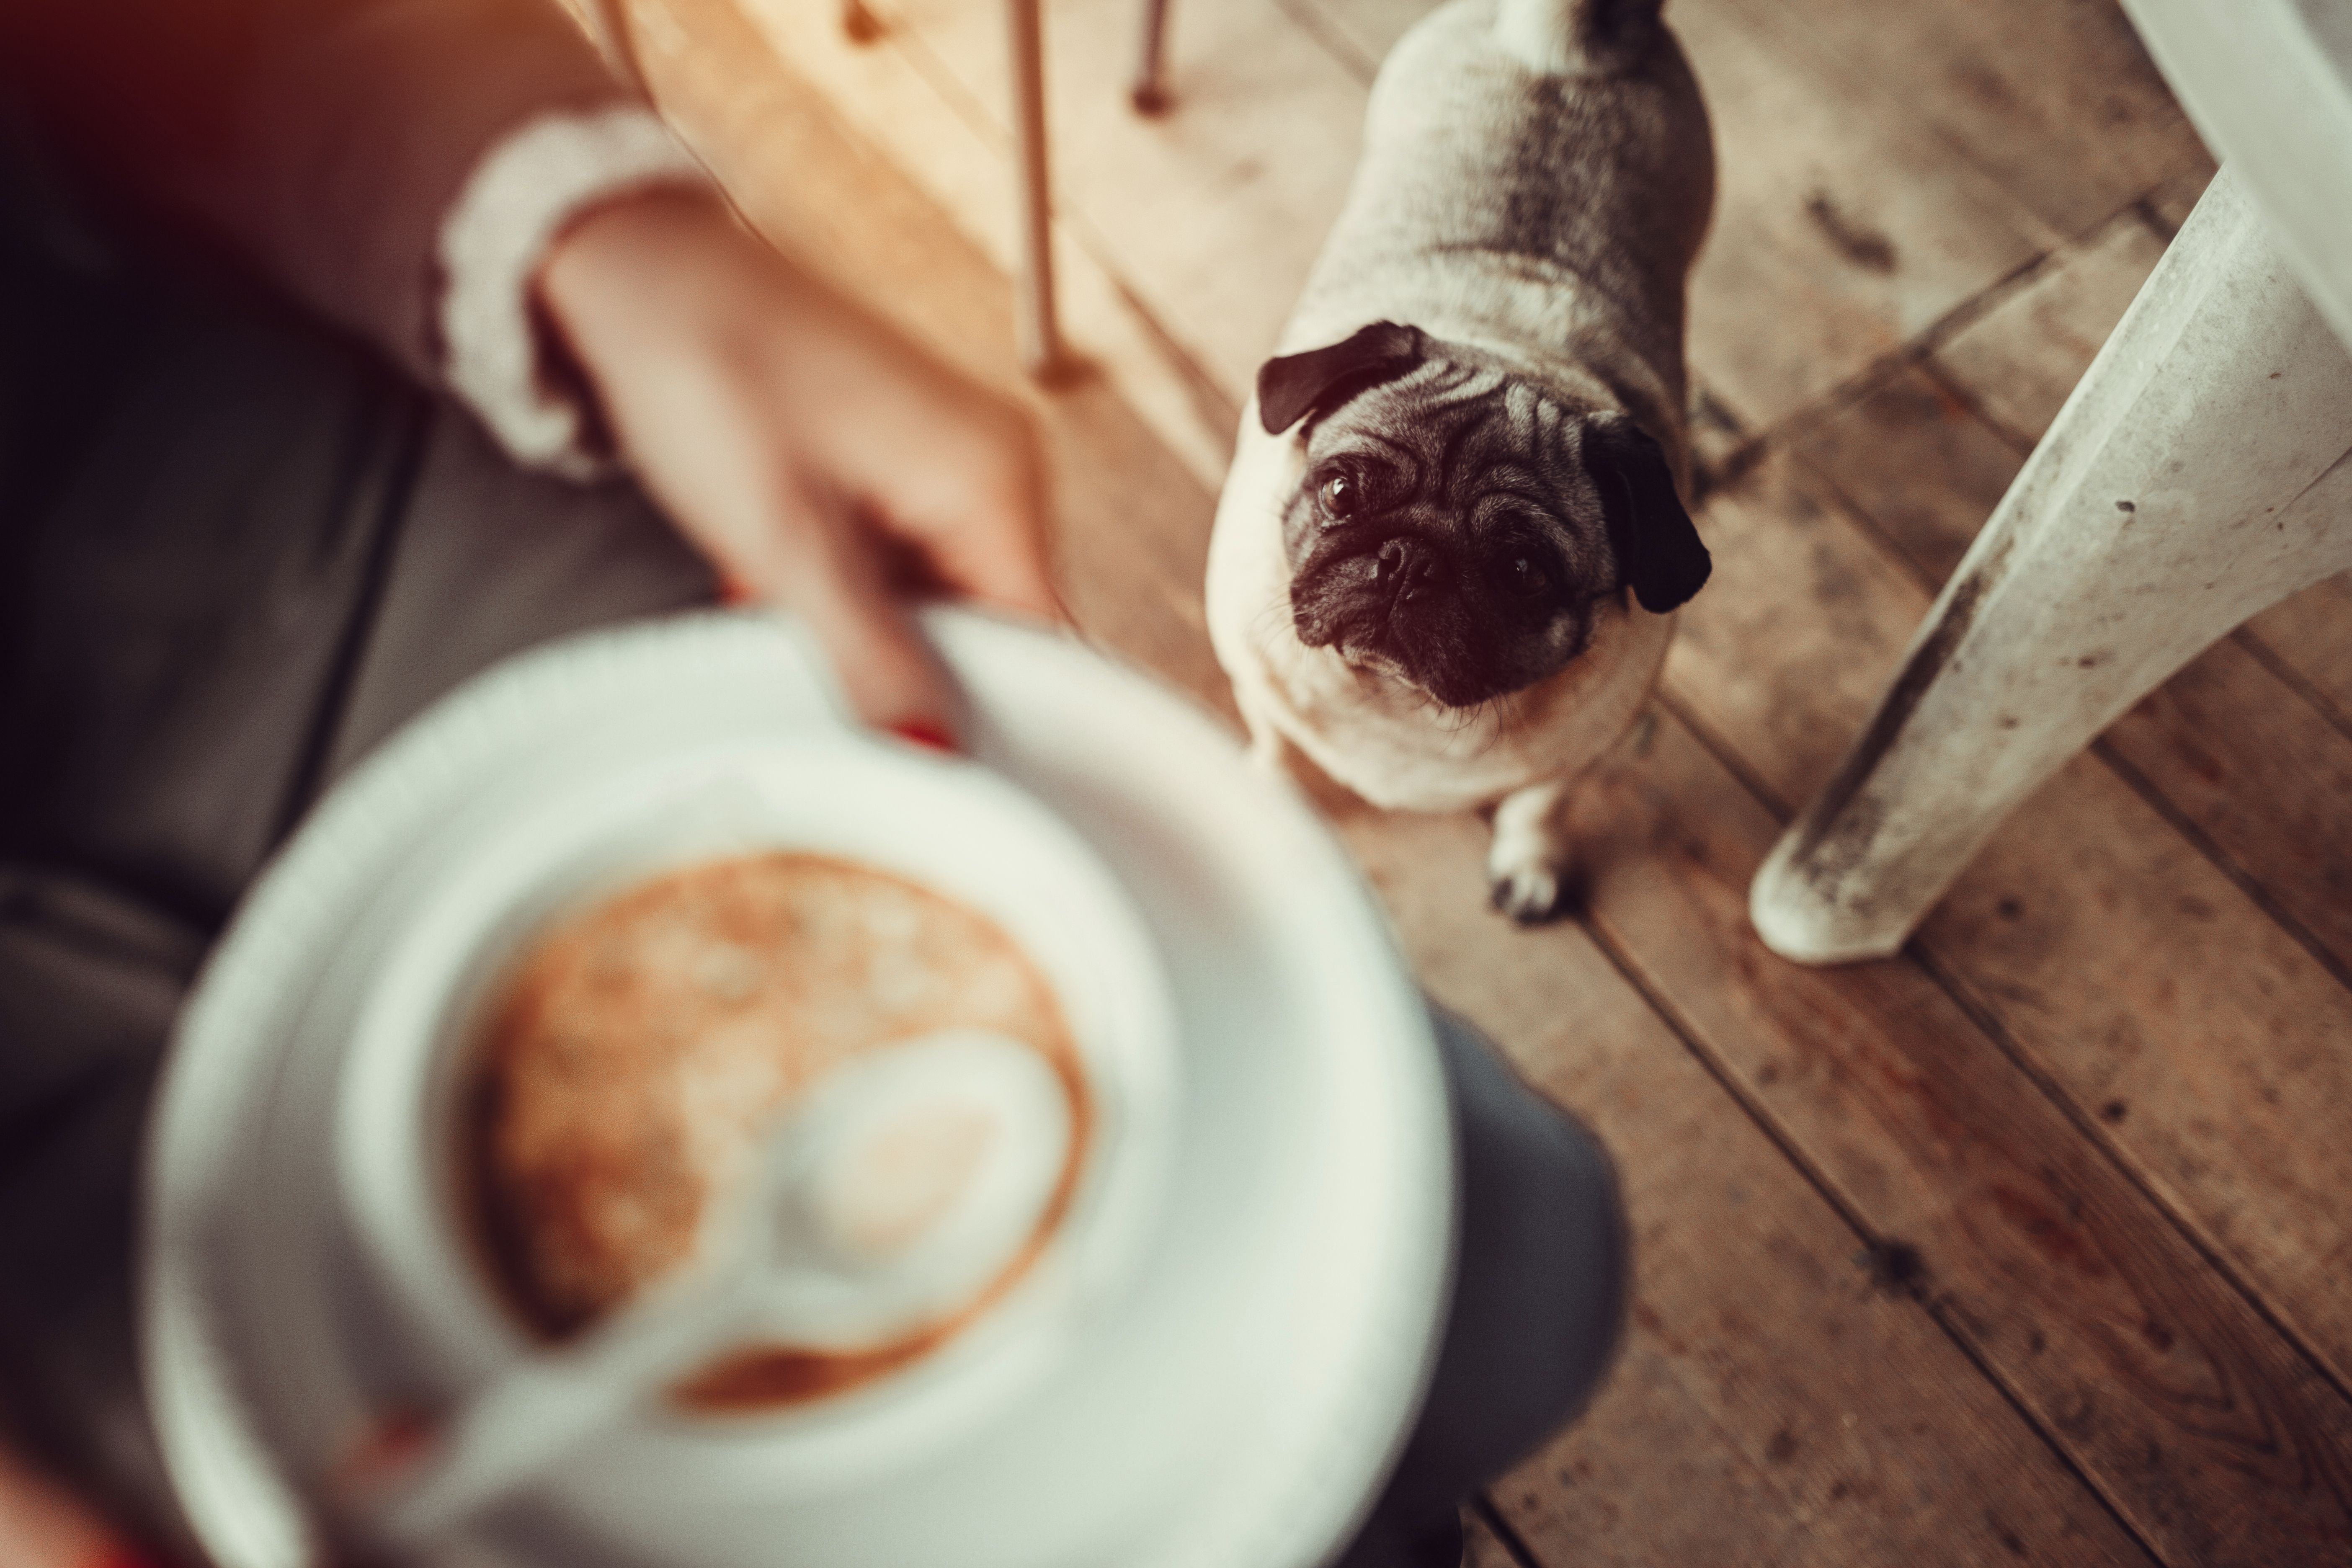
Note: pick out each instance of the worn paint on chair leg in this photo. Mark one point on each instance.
(2198, 474)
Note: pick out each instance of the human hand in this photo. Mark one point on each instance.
(817, 458)
(43, 1525)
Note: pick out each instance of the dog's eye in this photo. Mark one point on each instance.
(1339, 495)
(1527, 576)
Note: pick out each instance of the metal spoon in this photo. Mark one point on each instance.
(903, 1185)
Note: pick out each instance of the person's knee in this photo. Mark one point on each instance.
(1540, 1278)
(1544, 1258)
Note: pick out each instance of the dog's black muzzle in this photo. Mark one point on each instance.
(1403, 570)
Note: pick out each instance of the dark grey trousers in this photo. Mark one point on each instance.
(235, 552)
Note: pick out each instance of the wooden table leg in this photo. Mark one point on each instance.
(2201, 470)
(1038, 332)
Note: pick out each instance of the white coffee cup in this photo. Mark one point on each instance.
(950, 826)
(1230, 1396)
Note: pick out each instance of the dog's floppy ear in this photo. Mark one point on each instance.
(1296, 386)
(1658, 548)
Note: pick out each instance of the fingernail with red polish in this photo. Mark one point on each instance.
(923, 732)
(733, 590)
(121, 1556)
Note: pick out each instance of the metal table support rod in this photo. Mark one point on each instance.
(1035, 329)
(1150, 93)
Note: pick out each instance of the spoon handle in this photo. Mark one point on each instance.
(547, 1405)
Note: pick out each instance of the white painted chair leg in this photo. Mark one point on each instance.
(2198, 474)
(1036, 328)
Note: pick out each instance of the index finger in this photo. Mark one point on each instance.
(994, 549)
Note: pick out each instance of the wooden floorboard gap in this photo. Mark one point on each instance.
(1918, 351)
(2294, 680)
(2095, 1135)
(1340, 48)
(2222, 862)
(1482, 1509)
(1991, 1027)
(1876, 1250)
(1215, 409)
(1894, 1261)
(1726, 757)
(1990, 1024)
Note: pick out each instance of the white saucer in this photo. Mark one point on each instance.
(1229, 1397)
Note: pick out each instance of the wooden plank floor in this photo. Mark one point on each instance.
(2028, 1246)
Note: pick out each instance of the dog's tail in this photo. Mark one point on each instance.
(1578, 38)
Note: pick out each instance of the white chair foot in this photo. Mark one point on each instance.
(1798, 923)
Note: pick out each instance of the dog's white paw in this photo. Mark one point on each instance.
(1529, 894)
(1527, 864)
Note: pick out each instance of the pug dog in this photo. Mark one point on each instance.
(1447, 556)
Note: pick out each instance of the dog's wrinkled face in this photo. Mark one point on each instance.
(1445, 532)
(1457, 528)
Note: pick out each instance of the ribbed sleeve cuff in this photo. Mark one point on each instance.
(494, 353)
